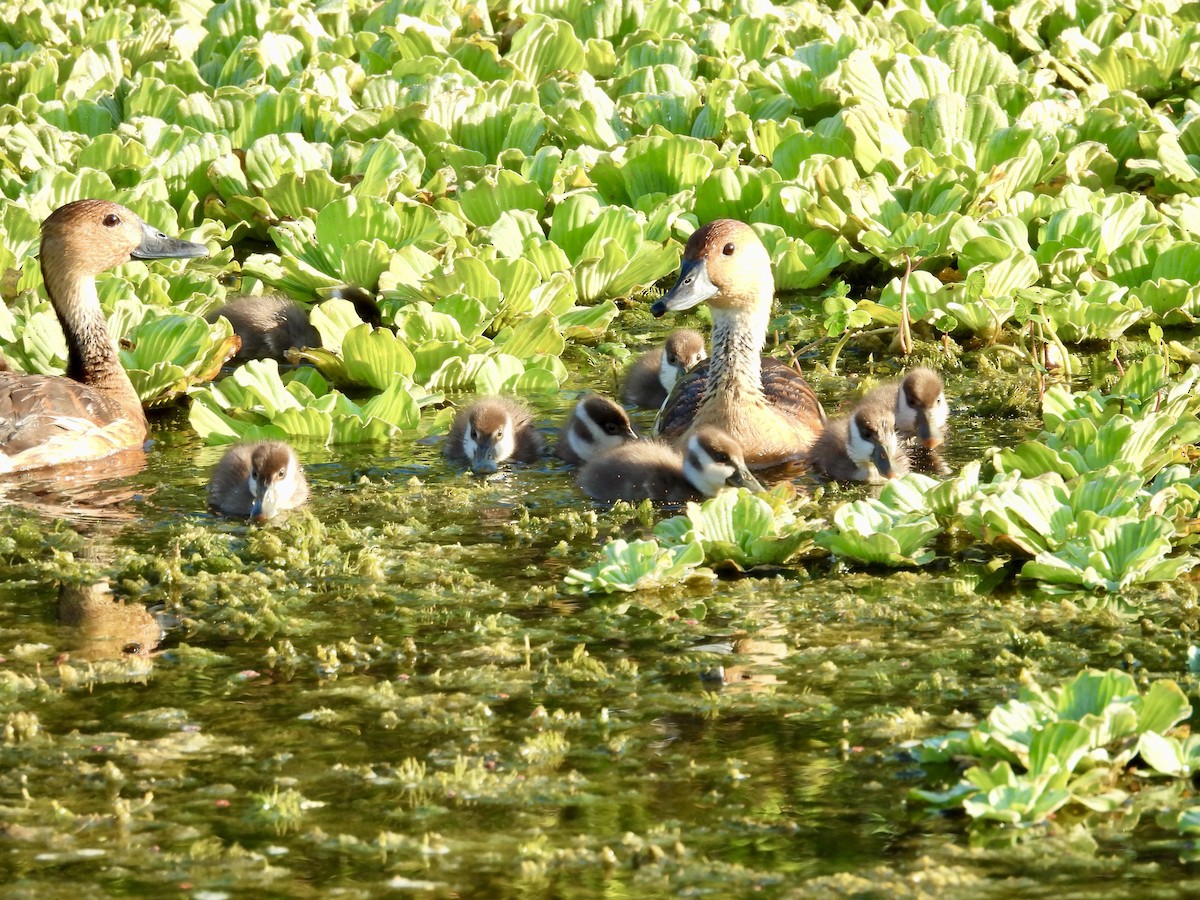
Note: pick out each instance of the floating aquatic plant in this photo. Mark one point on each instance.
(256, 402)
(640, 565)
(875, 533)
(741, 529)
(1065, 745)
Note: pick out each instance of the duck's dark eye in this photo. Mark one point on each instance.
(112, 220)
(728, 249)
(611, 428)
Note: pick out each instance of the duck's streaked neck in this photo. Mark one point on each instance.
(91, 352)
(735, 367)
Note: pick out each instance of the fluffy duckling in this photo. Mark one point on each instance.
(642, 470)
(490, 431)
(921, 414)
(920, 404)
(654, 373)
(596, 424)
(363, 301)
(766, 407)
(269, 325)
(863, 446)
(257, 480)
(48, 420)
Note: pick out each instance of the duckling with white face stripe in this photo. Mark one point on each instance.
(652, 470)
(596, 424)
(863, 446)
(920, 403)
(258, 481)
(654, 373)
(493, 430)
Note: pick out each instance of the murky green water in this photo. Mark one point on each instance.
(390, 691)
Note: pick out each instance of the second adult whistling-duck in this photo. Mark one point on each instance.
(769, 410)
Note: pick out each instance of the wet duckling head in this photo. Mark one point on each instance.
(871, 440)
(87, 237)
(597, 424)
(683, 351)
(276, 480)
(713, 460)
(490, 437)
(921, 407)
(726, 265)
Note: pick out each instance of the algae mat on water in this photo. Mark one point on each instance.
(392, 690)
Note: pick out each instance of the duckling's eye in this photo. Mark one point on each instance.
(474, 434)
(672, 359)
(112, 220)
(722, 458)
(611, 428)
(728, 249)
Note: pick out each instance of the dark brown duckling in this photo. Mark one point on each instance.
(596, 424)
(269, 325)
(653, 470)
(493, 430)
(863, 446)
(257, 480)
(93, 412)
(364, 303)
(654, 373)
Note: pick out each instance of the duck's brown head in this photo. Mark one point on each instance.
(490, 436)
(684, 349)
(87, 237)
(921, 406)
(871, 440)
(725, 264)
(275, 479)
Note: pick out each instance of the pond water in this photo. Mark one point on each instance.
(391, 690)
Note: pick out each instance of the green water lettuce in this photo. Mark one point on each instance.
(1069, 744)
(741, 530)
(640, 565)
(871, 532)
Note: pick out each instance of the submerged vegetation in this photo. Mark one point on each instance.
(434, 683)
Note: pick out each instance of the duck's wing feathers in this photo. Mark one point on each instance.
(47, 420)
(786, 389)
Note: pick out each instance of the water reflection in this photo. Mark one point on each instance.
(758, 657)
(101, 627)
(92, 490)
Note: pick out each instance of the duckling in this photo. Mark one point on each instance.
(596, 424)
(765, 406)
(654, 373)
(47, 420)
(364, 303)
(921, 412)
(269, 325)
(863, 446)
(490, 431)
(656, 471)
(257, 480)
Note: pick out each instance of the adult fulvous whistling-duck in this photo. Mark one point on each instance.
(48, 420)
